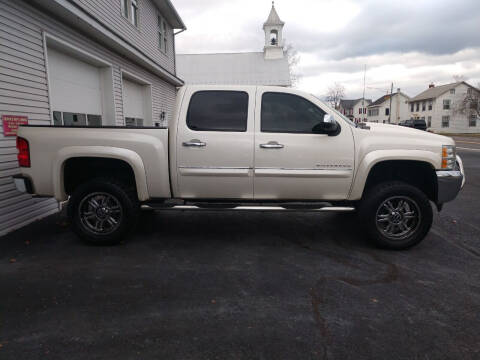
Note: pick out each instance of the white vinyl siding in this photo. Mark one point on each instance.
(24, 91)
(143, 36)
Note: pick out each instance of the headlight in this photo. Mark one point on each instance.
(448, 157)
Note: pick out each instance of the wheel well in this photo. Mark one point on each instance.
(416, 173)
(79, 170)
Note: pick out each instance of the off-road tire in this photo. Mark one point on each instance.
(127, 200)
(373, 203)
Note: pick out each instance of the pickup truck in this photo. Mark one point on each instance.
(243, 148)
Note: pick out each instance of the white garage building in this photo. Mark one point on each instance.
(81, 63)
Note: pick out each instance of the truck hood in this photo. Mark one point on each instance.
(408, 135)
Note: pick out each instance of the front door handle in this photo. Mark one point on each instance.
(272, 145)
(194, 143)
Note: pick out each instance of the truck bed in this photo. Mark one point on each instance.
(145, 149)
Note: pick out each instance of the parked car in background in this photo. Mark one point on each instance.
(419, 124)
(243, 148)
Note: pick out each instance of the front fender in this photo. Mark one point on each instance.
(375, 157)
(129, 156)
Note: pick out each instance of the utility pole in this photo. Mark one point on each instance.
(363, 96)
(390, 108)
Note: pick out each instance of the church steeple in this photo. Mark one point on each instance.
(273, 28)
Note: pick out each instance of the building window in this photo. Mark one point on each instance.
(134, 15)
(76, 119)
(387, 111)
(446, 104)
(424, 106)
(418, 106)
(429, 121)
(474, 104)
(473, 121)
(430, 105)
(162, 34)
(445, 121)
(130, 11)
(125, 8)
(133, 122)
(452, 91)
(469, 91)
(274, 37)
(412, 107)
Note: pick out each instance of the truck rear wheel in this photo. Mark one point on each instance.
(103, 211)
(396, 215)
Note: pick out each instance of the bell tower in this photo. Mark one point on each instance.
(273, 28)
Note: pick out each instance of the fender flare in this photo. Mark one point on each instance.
(129, 156)
(378, 156)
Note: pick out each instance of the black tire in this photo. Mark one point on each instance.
(389, 222)
(118, 208)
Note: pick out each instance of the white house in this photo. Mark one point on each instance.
(379, 111)
(445, 110)
(269, 67)
(80, 63)
(355, 110)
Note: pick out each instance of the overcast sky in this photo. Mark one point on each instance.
(409, 42)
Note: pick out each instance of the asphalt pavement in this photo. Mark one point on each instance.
(226, 285)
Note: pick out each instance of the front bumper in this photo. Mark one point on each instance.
(450, 183)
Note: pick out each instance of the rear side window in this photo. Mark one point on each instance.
(287, 113)
(218, 111)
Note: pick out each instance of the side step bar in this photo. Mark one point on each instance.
(258, 208)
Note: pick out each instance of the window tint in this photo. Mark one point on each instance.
(288, 113)
(218, 111)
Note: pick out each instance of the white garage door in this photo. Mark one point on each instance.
(76, 93)
(133, 103)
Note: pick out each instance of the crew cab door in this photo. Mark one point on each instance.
(291, 161)
(215, 143)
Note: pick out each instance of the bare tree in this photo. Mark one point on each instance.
(468, 103)
(293, 60)
(336, 92)
(459, 78)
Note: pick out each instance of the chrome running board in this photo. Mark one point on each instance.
(258, 208)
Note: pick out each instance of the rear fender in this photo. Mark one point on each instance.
(129, 156)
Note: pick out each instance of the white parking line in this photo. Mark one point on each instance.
(462, 148)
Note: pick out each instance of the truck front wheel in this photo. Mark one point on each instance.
(396, 215)
(103, 211)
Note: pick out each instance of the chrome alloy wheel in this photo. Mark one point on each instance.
(100, 213)
(398, 217)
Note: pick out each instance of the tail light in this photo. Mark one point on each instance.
(23, 152)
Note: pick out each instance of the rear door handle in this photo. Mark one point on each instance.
(272, 145)
(194, 143)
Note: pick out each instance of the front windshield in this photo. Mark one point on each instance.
(336, 112)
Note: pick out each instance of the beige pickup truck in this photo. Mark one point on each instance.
(244, 148)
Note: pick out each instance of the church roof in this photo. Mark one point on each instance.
(273, 18)
(248, 68)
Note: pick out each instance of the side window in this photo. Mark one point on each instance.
(218, 111)
(286, 113)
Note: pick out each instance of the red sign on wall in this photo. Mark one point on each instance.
(11, 124)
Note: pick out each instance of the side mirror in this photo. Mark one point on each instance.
(329, 126)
